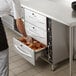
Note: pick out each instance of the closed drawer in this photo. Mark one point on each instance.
(35, 18)
(36, 32)
(26, 51)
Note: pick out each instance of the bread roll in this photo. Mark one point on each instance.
(22, 39)
(37, 45)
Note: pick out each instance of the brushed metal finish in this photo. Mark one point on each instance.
(60, 41)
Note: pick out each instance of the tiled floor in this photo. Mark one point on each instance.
(18, 66)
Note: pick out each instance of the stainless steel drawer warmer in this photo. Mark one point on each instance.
(49, 32)
(27, 52)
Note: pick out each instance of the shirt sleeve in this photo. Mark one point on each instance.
(16, 8)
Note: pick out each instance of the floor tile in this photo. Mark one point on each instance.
(11, 73)
(21, 69)
(23, 74)
(17, 64)
(14, 58)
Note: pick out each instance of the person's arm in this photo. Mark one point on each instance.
(20, 26)
(17, 15)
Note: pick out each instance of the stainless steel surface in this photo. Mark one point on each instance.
(59, 35)
(74, 54)
(60, 42)
(71, 48)
(71, 45)
(59, 10)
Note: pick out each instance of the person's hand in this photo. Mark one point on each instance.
(28, 39)
(20, 26)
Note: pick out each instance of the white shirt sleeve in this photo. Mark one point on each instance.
(16, 8)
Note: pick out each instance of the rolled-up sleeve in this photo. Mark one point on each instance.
(16, 8)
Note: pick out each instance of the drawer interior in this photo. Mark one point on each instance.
(34, 44)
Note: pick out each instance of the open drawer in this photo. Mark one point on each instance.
(29, 51)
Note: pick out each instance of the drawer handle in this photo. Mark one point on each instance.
(22, 52)
(33, 27)
(32, 13)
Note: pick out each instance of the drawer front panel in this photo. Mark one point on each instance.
(24, 51)
(35, 18)
(36, 33)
